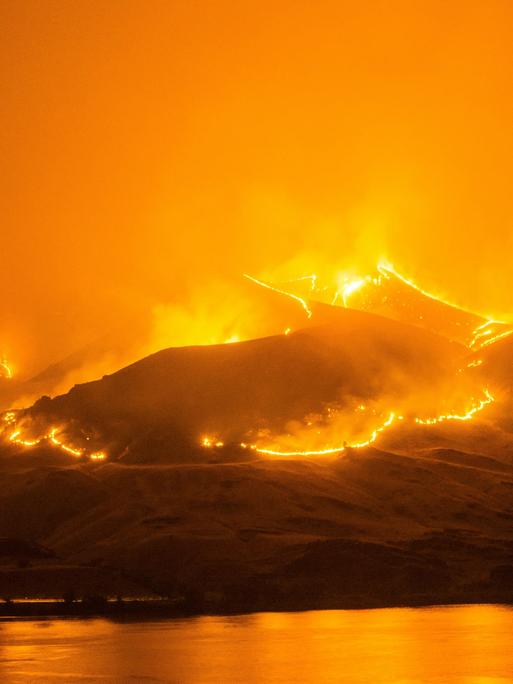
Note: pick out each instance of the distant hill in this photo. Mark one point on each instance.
(174, 396)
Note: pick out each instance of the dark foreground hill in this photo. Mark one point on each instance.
(368, 528)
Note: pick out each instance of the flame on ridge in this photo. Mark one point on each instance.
(392, 419)
(52, 437)
(488, 399)
(348, 285)
(298, 299)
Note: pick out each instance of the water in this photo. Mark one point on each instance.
(454, 645)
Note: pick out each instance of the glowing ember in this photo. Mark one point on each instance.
(211, 442)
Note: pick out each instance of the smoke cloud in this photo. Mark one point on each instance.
(154, 149)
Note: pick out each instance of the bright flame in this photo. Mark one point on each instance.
(347, 287)
(211, 442)
(465, 416)
(5, 369)
(331, 450)
(496, 338)
(52, 437)
(392, 419)
(301, 301)
(484, 335)
(386, 269)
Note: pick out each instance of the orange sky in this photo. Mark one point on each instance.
(149, 147)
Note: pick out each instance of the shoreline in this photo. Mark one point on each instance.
(166, 609)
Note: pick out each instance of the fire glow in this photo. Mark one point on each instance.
(347, 286)
(392, 419)
(483, 335)
(52, 438)
(5, 369)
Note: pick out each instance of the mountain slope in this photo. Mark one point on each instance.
(165, 402)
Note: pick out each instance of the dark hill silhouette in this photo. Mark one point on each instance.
(425, 517)
(165, 402)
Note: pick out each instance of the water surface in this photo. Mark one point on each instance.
(454, 645)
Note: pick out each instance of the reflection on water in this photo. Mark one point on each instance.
(457, 645)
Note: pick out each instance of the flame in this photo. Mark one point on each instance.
(486, 331)
(5, 368)
(452, 416)
(211, 442)
(387, 269)
(392, 419)
(331, 450)
(298, 299)
(350, 284)
(52, 437)
(496, 338)
(348, 287)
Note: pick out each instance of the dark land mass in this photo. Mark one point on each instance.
(423, 516)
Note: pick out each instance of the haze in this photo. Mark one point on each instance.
(152, 149)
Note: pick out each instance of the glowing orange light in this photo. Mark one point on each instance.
(331, 450)
(386, 269)
(496, 338)
(52, 437)
(300, 300)
(389, 422)
(5, 369)
(348, 287)
(211, 442)
(465, 416)
(486, 331)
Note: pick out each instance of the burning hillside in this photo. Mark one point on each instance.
(382, 353)
(219, 467)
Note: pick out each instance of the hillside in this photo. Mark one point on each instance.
(162, 405)
(423, 515)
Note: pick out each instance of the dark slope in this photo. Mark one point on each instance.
(369, 528)
(257, 311)
(165, 402)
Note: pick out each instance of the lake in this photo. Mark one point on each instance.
(442, 645)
